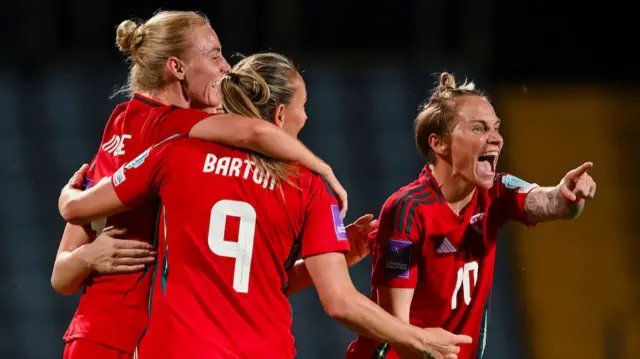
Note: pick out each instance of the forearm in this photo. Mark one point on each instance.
(299, 278)
(70, 271)
(362, 316)
(275, 142)
(548, 203)
(259, 136)
(82, 207)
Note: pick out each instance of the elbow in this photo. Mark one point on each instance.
(69, 212)
(338, 308)
(60, 287)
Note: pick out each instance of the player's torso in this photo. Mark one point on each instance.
(456, 272)
(113, 308)
(230, 235)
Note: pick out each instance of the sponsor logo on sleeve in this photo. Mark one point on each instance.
(398, 258)
(341, 232)
(118, 177)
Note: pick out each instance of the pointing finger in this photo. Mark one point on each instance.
(575, 173)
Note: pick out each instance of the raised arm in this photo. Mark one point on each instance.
(564, 201)
(268, 139)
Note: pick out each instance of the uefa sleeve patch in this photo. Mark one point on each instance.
(513, 182)
(138, 160)
(118, 177)
(341, 232)
(398, 258)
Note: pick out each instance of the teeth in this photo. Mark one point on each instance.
(491, 153)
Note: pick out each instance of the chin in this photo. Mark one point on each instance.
(484, 183)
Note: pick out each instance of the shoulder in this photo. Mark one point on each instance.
(418, 195)
(410, 205)
(171, 111)
(117, 115)
(306, 179)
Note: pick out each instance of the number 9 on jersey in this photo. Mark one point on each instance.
(242, 250)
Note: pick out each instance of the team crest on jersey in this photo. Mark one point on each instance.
(338, 224)
(138, 160)
(476, 222)
(118, 177)
(398, 258)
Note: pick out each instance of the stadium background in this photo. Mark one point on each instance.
(559, 76)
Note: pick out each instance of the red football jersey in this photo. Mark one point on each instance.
(448, 258)
(113, 308)
(231, 233)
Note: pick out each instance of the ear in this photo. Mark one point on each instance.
(176, 68)
(438, 145)
(278, 115)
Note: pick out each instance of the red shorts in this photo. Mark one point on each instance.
(86, 349)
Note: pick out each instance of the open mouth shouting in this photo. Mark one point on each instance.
(486, 165)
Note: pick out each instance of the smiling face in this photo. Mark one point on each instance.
(475, 142)
(204, 68)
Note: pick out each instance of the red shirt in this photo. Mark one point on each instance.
(447, 258)
(113, 308)
(230, 236)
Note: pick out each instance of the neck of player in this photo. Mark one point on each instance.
(457, 191)
(172, 94)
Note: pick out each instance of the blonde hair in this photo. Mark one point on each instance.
(149, 45)
(255, 87)
(437, 116)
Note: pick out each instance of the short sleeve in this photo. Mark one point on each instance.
(177, 121)
(323, 230)
(397, 248)
(140, 179)
(508, 196)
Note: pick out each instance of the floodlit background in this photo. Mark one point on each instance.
(561, 75)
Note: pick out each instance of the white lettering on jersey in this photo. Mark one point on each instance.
(209, 163)
(232, 167)
(116, 144)
(464, 281)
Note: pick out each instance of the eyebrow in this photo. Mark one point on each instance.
(484, 122)
(213, 51)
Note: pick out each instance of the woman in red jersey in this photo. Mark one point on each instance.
(225, 274)
(434, 253)
(176, 62)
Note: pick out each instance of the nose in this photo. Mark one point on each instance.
(495, 138)
(225, 66)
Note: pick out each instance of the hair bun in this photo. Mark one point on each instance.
(129, 36)
(252, 84)
(447, 82)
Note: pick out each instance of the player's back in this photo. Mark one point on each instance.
(231, 234)
(113, 308)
